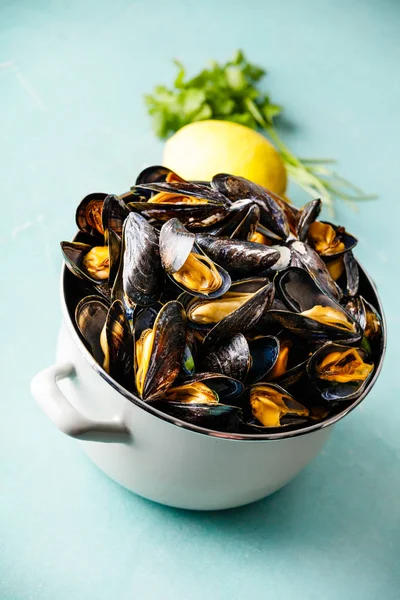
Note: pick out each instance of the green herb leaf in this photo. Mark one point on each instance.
(231, 92)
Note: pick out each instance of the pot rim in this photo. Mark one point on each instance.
(210, 432)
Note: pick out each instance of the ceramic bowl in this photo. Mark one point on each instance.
(162, 458)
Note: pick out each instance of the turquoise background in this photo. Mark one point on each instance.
(72, 76)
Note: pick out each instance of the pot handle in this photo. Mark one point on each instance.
(65, 416)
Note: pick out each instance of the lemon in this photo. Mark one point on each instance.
(202, 149)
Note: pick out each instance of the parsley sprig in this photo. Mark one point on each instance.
(231, 92)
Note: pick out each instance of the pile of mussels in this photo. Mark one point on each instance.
(222, 304)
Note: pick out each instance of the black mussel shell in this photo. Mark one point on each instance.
(292, 413)
(303, 256)
(289, 370)
(239, 257)
(118, 361)
(241, 221)
(331, 390)
(114, 213)
(194, 216)
(167, 350)
(88, 214)
(74, 253)
(300, 292)
(217, 417)
(264, 351)
(157, 174)
(176, 244)
(348, 241)
(238, 188)
(188, 188)
(226, 388)
(307, 215)
(140, 276)
(90, 317)
(247, 315)
(231, 358)
(352, 274)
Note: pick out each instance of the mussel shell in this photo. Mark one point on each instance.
(140, 276)
(331, 391)
(300, 292)
(168, 347)
(90, 317)
(303, 256)
(352, 274)
(176, 243)
(239, 257)
(188, 188)
(348, 240)
(81, 215)
(239, 188)
(114, 213)
(307, 215)
(313, 330)
(120, 345)
(194, 216)
(74, 252)
(264, 352)
(288, 421)
(226, 387)
(231, 358)
(356, 308)
(247, 315)
(241, 221)
(217, 417)
(113, 241)
(156, 174)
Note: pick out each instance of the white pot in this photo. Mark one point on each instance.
(154, 455)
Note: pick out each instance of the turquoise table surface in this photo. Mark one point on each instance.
(72, 76)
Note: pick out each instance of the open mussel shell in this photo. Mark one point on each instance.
(311, 312)
(351, 274)
(101, 265)
(239, 257)
(306, 216)
(304, 257)
(339, 372)
(194, 216)
(261, 294)
(90, 318)
(329, 240)
(264, 352)
(140, 275)
(188, 189)
(217, 417)
(157, 174)
(271, 212)
(225, 389)
(241, 221)
(290, 365)
(271, 407)
(369, 320)
(88, 214)
(117, 345)
(188, 266)
(158, 364)
(231, 358)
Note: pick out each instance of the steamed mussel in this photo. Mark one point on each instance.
(221, 304)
